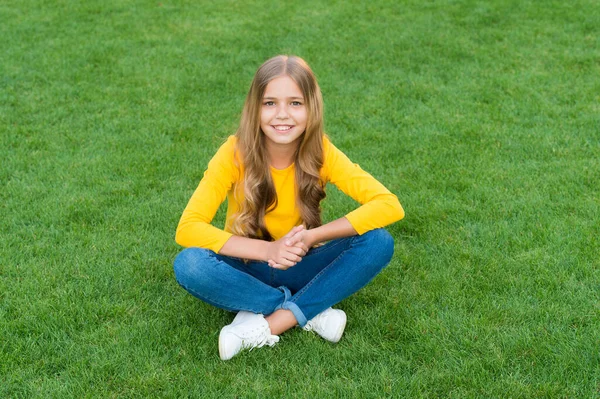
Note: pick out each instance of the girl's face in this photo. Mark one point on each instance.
(283, 113)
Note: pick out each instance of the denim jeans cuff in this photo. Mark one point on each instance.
(291, 306)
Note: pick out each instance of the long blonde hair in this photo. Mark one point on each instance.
(259, 192)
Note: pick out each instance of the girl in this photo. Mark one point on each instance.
(275, 263)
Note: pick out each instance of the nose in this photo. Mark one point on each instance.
(282, 112)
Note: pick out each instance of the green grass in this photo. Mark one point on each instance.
(483, 117)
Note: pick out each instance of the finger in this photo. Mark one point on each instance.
(298, 248)
(294, 239)
(291, 240)
(293, 258)
(287, 260)
(294, 230)
(280, 266)
(297, 251)
(302, 245)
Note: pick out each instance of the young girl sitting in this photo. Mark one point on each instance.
(275, 263)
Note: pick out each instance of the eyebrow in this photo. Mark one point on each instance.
(288, 98)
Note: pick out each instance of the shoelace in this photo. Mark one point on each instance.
(312, 324)
(261, 339)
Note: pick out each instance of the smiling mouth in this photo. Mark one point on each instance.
(283, 128)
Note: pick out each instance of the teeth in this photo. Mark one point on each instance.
(282, 128)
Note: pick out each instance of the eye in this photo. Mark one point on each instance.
(269, 103)
(296, 103)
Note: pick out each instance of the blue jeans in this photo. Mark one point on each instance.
(325, 276)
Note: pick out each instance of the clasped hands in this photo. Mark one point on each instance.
(289, 249)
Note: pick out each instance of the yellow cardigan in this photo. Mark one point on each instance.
(379, 207)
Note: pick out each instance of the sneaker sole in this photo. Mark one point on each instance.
(340, 331)
(222, 352)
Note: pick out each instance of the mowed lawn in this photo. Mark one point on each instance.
(483, 117)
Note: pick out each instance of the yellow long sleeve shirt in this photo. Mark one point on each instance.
(379, 207)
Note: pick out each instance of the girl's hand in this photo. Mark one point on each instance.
(302, 238)
(282, 256)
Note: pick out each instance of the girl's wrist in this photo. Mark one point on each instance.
(266, 250)
(312, 238)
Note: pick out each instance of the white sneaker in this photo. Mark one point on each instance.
(242, 316)
(247, 331)
(329, 324)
